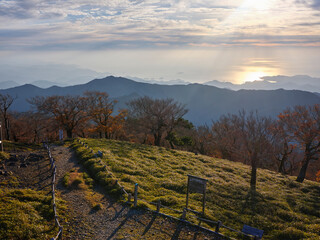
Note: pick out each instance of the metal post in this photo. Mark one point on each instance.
(135, 194)
(1, 141)
(203, 201)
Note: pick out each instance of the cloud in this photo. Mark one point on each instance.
(94, 24)
(307, 24)
(315, 4)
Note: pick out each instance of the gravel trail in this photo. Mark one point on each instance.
(114, 220)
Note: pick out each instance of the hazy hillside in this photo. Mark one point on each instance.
(298, 82)
(8, 84)
(205, 103)
(283, 208)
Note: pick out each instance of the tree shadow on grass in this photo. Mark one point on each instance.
(254, 203)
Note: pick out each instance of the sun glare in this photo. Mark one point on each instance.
(253, 76)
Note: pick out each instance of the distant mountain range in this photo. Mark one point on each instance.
(45, 75)
(205, 103)
(299, 82)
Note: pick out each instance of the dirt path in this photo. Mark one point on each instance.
(113, 220)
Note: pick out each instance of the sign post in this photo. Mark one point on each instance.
(1, 141)
(197, 185)
(61, 135)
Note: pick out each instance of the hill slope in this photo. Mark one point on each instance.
(205, 103)
(281, 206)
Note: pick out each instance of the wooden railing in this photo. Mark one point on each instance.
(53, 169)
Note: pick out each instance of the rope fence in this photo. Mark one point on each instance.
(53, 169)
(218, 224)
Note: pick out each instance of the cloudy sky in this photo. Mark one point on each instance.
(193, 40)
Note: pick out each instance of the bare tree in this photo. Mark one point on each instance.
(303, 126)
(157, 116)
(283, 148)
(244, 137)
(6, 101)
(255, 134)
(68, 111)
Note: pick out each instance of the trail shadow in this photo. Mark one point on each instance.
(118, 213)
(177, 231)
(119, 227)
(149, 224)
(45, 186)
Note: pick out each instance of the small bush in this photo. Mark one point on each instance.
(65, 180)
(77, 182)
(4, 156)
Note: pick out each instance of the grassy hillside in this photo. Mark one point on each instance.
(283, 208)
(25, 211)
(26, 214)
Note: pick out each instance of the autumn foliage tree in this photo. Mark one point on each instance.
(157, 117)
(100, 111)
(32, 127)
(303, 126)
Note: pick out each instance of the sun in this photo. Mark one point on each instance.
(253, 76)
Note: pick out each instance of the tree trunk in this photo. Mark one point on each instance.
(303, 170)
(6, 126)
(171, 144)
(157, 139)
(253, 181)
(69, 133)
(281, 167)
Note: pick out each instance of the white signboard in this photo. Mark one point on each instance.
(60, 134)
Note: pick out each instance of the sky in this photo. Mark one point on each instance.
(192, 40)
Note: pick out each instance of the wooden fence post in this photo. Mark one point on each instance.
(184, 213)
(218, 226)
(135, 194)
(60, 236)
(158, 205)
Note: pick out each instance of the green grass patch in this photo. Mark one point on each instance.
(18, 146)
(282, 207)
(27, 214)
(4, 156)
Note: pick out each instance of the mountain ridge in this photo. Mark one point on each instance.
(205, 103)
